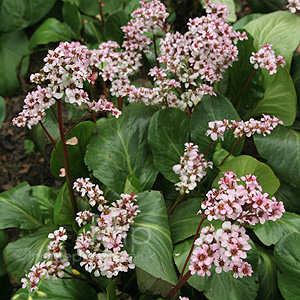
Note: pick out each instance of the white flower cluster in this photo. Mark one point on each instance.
(293, 6)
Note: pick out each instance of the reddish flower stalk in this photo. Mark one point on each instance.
(177, 287)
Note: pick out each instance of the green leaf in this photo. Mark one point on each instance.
(168, 132)
(62, 289)
(287, 257)
(37, 135)
(230, 4)
(149, 283)
(245, 165)
(2, 111)
(245, 20)
(281, 29)
(219, 155)
(281, 149)
(184, 220)
(111, 6)
(221, 286)
(19, 209)
(295, 73)
(290, 196)
(13, 46)
(212, 108)
(239, 74)
(279, 99)
(46, 197)
(89, 7)
(265, 6)
(72, 17)
(3, 243)
(63, 210)
(93, 30)
(267, 275)
(132, 185)
(19, 14)
(149, 238)
(120, 148)
(271, 232)
(21, 255)
(51, 30)
(113, 26)
(83, 132)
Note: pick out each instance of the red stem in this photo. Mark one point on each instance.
(82, 279)
(52, 142)
(188, 111)
(179, 284)
(155, 50)
(231, 151)
(193, 245)
(243, 90)
(208, 148)
(66, 156)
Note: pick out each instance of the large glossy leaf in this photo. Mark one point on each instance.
(120, 148)
(267, 275)
(239, 74)
(184, 220)
(287, 257)
(221, 286)
(19, 14)
(61, 290)
(270, 232)
(2, 111)
(3, 243)
(245, 165)
(245, 20)
(51, 30)
(63, 210)
(212, 108)
(279, 99)
(83, 132)
(168, 132)
(281, 149)
(12, 48)
(21, 255)
(19, 209)
(265, 6)
(149, 238)
(72, 17)
(281, 29)
(113, 26)
(290, 196)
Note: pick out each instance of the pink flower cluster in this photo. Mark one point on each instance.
(54, 264)
(225, 248)
(192, 169)
(243, 203)
(265, 58)
(65, 70)
(100, 247)
(293, 6)
(242, 128)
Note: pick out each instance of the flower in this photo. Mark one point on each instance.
(293, 6)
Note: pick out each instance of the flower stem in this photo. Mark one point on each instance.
(193, 245)
(231, 151)
(155, 51)
(179, 198)
(179, 284)
(245, 86)
(66, 156)
(208, 148)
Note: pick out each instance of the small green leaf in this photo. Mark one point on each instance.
(21, 255)
(89, 7)
(13, 46)
(212, 108)
(51, 30)
(132, 185)
(168, 132)
(2, 111)
(281, 29)
(120, 148)
(149, 239)
(287, 257)
(19, 209)
(63, 210)
(83, 132)
(265, 6)
(245, 20)
(270, 232)
(245, 165)
(19, 14)
(219, 155)
(295, 73)
(280, 97)
(281, 149)
(62, 289)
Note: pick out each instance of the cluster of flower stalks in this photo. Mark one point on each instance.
(99, 246)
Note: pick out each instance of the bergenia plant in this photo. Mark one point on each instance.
(180, 171)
